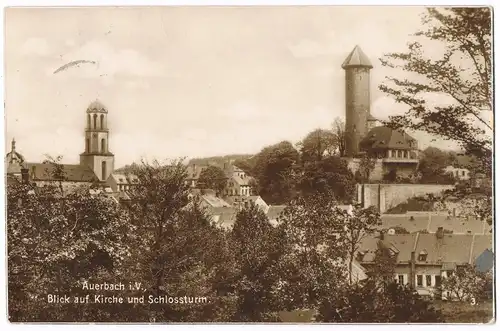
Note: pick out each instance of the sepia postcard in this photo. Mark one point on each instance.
(249, 164)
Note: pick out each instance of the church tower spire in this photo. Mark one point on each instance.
(97, 155)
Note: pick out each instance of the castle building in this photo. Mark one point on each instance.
(96, 162)
(394, 150)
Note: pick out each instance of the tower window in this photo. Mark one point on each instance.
(87, 145)
(95, 121)
(104, 170)
(88, 121)
(102, 121)
(103, 146)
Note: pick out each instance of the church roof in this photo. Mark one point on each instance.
(96, 107)
(72, 172)
(357, 59)
(14, 160)
(387, 138)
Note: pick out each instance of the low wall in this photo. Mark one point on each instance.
(386, 196)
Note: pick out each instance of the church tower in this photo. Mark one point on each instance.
(97, 155)
(357, 68)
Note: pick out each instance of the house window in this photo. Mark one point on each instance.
(449, 273)
(401, 279)
(422, 256)
(104, 172)
(428, 281)
(463, 173)
(437, 280)
(420, 280)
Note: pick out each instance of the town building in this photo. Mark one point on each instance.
(96, 162)
(458, 173)
(423, 260)
(393, 150)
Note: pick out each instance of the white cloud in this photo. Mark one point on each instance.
(109, 62)
(35, 46)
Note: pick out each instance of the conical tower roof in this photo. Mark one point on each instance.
(357, 59)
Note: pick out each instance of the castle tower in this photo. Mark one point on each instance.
(357, 68)
(97, 155)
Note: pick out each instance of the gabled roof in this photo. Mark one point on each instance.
(449, 251)
(72, 172)
(458, 225)
(274, 211)
(450, 248)
(240, 198)
(357, 58)
(403, 243)
(214, 201)
(241, 181)
(194, 171)
(387, 138)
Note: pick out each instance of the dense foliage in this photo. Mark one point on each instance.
(163, 243)
(462, 73)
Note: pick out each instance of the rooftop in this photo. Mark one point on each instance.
(383, 137)
(96, 107)
(357, 59)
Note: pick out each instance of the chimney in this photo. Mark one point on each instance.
(440, 233)
(25, 176)
(412, 270)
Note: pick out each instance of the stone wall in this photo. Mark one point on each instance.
(386, 196)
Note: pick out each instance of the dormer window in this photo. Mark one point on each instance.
(422, 256)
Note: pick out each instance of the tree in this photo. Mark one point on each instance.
(465, 284)
(274, 168)
(338, 129)
(367, 302)
(328, 176)
(384, 265)
(432, 165)
(212, 177)
(256, 278)
(317, 145)
(366, 166)
(391, 176)
(463, 73)
(400, 230)
(178, 243)
(359, 224)
(54, 243)
(314, 264)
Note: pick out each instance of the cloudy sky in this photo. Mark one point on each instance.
(186, 81)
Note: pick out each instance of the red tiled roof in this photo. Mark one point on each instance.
(385, 137)
(72, 172)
